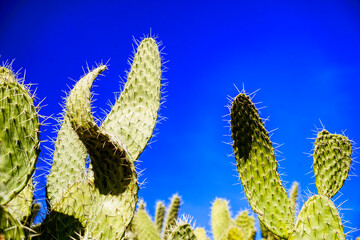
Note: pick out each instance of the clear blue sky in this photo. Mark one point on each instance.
(304, 56)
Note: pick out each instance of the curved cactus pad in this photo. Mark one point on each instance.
(332, 160)
(258, 168)
(318, 219)
(19, 136)
(110, 161)
(134, 115)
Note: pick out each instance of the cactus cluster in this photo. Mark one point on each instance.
(163, 228)
(97, 202)
(257, 167)
(226, 228)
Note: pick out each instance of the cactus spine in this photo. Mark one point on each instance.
(319, 218)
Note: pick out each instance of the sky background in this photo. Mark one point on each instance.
(304, 56)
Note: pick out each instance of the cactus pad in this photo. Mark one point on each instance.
(318, 219)
(258, 168)
(332, 159)
(19, 136)
(134, 115)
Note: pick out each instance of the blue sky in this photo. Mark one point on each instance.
(304, 56)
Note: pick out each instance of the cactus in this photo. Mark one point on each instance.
(226, 228)
(258, 173)
(99, 202)
(19, 151)
(145, 229)
(94, 203)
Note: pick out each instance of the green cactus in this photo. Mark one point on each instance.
(225, 228)
(200, 233)
(145, 229)
(182, 231)
(19, 151)
(159, 215)
(257, 169)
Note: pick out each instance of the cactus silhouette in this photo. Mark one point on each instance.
(257, 167)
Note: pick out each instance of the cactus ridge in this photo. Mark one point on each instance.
(332, 161)
(258, 168)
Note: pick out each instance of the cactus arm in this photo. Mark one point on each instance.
(19, 136)
(220, 218)
(318, 219)
(258, 168)
(332, 160)
(144, 227)
(159, 215)
(135, 113)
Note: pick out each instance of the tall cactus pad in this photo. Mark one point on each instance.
(318, 219)
(220, 218)
(134, 115)
(115, 181)
(332, 160)
(144, 227)
(19, 136)
(258, 168)
(110, 161)
(182, 231)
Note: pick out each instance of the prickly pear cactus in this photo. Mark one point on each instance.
(145, 229)
(319, 218)
(19, 151)
(19, 136)
(257, 168)
(332, 160)
(99, 202)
